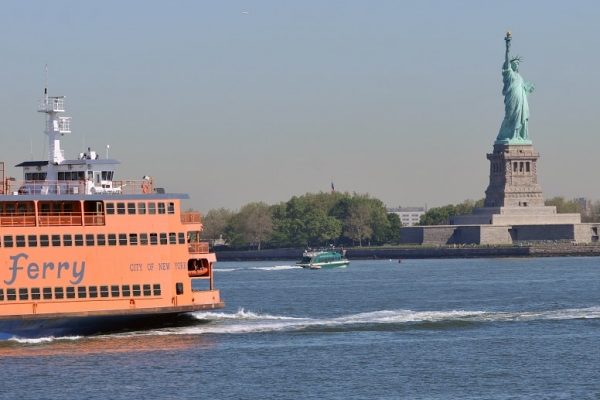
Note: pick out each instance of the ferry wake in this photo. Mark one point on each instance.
(81, 251)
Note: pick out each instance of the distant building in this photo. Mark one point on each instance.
(409, 216)
(585, 205)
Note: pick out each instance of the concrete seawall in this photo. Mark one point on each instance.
(416, 252)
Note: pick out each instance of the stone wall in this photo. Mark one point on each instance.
(531, 233)
(435, 235)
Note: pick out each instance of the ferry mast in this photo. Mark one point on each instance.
(56, 126)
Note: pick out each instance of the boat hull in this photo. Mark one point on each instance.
(335, 264)
(56, 325)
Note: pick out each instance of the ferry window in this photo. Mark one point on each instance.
(163, 238)
(1, 294)
(161, 208)
(78, 240)
(121, 208)
(126, 290)
(55, 240)
(8, 241)
(172, 238)
(11, 294)
(32, 240)
(133, 239)
(44, 240)
(47, 293)
(171, 208)
(35, 293)
(144, 239)
(23, 294)
(151, 208)
(67, 240)
(153, 238)
(103, 291)
(20, 240)
(89, 240)
(81, 292)
(112, 239)
(70, 292)
(193, 236)
(179, 288)
(181, 237)
(114, 291)
(101, 239)
(156, 288)
(110, 208)
(59, 293)
(93, 291)
(136, 290)
(147, 290)
(122, 239)
(130, 208)
(142, 208)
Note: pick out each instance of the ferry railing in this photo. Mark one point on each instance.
(133, 186)
(198, 248)
(191, 217)
(21, 219)
(93, 218)
(77, 187)
(57, 219)
(45, 187)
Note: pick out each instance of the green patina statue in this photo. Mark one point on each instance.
(516, 108)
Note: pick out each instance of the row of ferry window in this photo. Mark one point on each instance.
(101, 239)
(140, 208)
(83, 292)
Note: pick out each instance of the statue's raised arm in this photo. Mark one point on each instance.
(516, 108)
(507, 39)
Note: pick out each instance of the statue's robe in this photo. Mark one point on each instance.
(516, 108)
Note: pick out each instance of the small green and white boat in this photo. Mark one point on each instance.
(329, 258)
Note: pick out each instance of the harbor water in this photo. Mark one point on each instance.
(418, 329)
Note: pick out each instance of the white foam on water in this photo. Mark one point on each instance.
(276, 268)
(226, 269)
(47, 339)
(249, 322)
(241, 314)
(244, 321)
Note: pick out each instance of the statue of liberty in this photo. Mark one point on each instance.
(516, 108)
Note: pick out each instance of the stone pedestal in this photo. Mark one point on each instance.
(513, 177)
(514, 196)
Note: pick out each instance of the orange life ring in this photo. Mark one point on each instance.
(145, 187)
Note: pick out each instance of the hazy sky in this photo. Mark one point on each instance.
(240, 101)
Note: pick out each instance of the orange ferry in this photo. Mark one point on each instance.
(81, 252)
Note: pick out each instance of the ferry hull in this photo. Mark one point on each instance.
(58, 325)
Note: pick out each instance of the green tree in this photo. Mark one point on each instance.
(253, 224)
(563, 206)
(394, 230)
(441, 215)
(320, 227)
(215, 223)
(357, 225)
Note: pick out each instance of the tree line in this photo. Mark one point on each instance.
(590, 212)
(310, 220)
